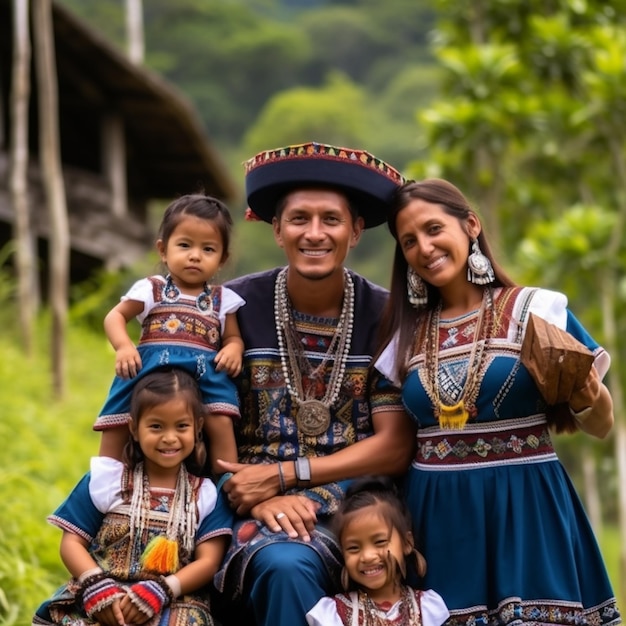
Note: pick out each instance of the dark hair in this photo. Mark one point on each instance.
(156, 388)
(203, 207)
(378, 491)
(399, 314)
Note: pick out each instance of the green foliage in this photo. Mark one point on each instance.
(344, 39)
(232, 57)
(335, 113)
(92, 299)
(8, 287)
(48, 445)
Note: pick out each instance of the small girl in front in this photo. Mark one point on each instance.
(373, 527)
(185, 322)
(142, 538)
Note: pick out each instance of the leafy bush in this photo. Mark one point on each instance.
(48, 443)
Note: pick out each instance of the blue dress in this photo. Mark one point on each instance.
(177, 334)
(503, 531)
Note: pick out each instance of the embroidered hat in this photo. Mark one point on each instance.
(367, 181)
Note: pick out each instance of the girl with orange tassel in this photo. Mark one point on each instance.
(143, 538)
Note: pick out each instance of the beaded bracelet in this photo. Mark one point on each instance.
(281, 478)
(87, 574)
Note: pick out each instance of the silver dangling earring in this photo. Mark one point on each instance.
(416, 288)
(479, 268)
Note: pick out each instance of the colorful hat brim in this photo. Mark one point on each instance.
(367, 181)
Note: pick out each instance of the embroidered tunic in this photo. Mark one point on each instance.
(98, 510)
(339, 611)
(503, 531)
(268, 432)
(177, 334)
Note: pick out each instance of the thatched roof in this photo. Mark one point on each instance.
(168, 152)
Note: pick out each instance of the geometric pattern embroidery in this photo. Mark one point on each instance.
(462, 447)
(540, 612)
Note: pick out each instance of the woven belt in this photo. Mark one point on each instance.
(524, 440)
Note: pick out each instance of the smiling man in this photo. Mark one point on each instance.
(312, 418)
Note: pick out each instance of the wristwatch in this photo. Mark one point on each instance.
(303, 471)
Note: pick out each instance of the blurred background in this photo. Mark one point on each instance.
(109, 109)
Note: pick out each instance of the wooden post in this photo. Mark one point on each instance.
(114, 162)
(25, 255)
(134, 30)
(50, 157)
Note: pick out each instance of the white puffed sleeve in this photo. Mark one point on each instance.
(105, 484)
(324, 613)
(142, 291)
(385, 363)
(434, 609)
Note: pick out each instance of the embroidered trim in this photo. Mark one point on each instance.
(527, 443)
(514, 611)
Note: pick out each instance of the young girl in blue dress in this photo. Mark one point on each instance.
(185, 322)
(143, 538)
(373, 527)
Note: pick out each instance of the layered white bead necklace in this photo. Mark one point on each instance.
(313, 414)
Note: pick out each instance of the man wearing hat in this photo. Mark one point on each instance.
(312, 416)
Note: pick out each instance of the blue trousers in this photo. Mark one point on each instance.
(283, 582)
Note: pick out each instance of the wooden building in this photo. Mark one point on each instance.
(127, 138)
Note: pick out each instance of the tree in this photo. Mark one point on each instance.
(335, 113)
(50, 157)
(24, 239)
(134, 30)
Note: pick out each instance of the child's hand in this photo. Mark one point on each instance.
(229, 358)
(145, 599)
(110, 615)
(132, 615)
(127, 361)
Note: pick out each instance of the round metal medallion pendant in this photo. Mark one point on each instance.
(313, 417)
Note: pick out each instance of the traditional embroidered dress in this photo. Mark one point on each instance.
(503, 531)
(339, 610)
(98, 510)
(177, 334)
(268, 432)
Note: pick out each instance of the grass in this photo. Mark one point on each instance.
(610, 546)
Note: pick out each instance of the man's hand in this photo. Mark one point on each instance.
(250, 484)
(295, 514)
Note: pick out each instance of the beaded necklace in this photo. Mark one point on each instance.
(409, 614)
(161, 553)
(313, 414)
(171, 294)
(455, 416)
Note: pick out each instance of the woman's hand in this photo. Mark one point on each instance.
(592, 406)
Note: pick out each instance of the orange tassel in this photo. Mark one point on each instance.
(161, 556)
